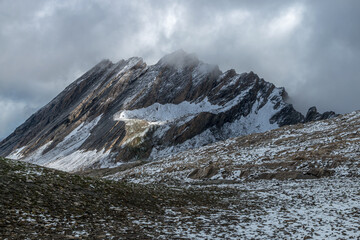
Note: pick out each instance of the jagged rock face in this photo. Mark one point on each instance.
(119, 112)
(314, 115)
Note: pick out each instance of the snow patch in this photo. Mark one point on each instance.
(164, 113)
(78, 160)
(258, 120)
(66, 156)
(16, 154)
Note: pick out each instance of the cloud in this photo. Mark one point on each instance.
(310, 47)
(11, 112)
(286, 22)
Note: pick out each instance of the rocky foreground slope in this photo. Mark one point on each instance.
(124, 111)
(39, 203)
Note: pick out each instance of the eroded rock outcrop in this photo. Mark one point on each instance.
(314, 115)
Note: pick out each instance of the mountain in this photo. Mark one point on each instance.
(218, 191)
(125, 111)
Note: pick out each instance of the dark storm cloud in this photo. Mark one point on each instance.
(310, 47)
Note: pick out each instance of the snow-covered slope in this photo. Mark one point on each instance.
(313, 150)
(125, 111)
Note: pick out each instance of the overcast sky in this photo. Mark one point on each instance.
(312, 48)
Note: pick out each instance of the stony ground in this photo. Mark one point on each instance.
(40, 203)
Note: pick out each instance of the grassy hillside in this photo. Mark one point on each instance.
(37, 202)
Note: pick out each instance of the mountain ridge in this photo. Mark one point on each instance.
(103, 118)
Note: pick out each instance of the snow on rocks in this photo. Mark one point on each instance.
(332, 149)
(67, 155)
(16, 154)
(78, 160)
(163, 113)
(312, 209)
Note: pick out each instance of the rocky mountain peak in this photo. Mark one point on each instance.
(120, 112)
(179, 59)
(314, 115)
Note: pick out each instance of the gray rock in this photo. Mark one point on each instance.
(314, 115)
